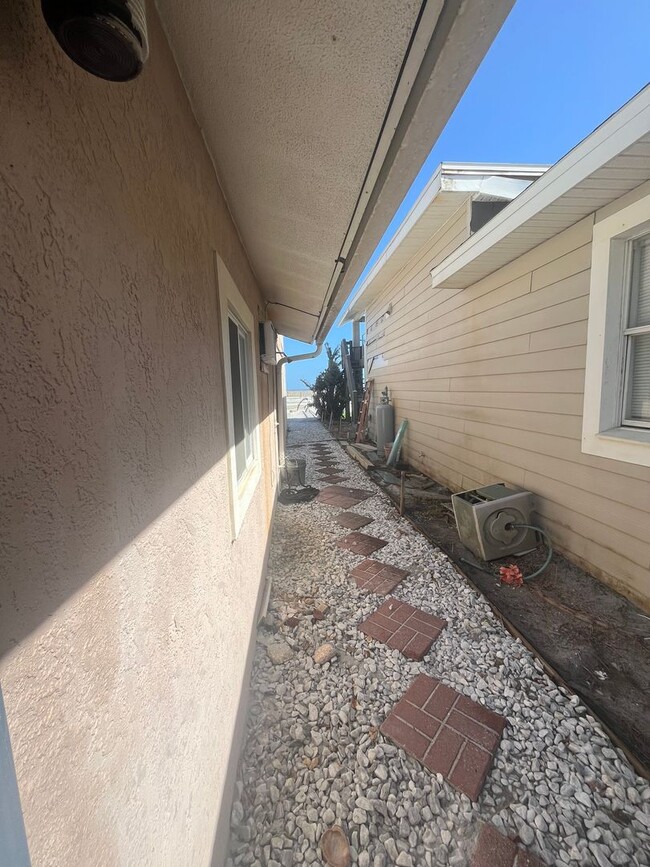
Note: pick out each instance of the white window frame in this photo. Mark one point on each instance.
(603, 431)
(233, 307)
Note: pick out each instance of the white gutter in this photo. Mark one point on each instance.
(417, 50)
(450, 39)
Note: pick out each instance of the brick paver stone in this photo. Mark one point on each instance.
(360, 543)
(461, 735)
(373, 576)
(344, 498)
(525, 859)
(493, 849)
(352, 521)
(403, 627)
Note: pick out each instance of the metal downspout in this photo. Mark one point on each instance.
(281, 407)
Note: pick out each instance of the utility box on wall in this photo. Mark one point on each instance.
(486, 519)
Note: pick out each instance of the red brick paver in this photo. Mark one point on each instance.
(403, 627)
(344, 498)
(461, 736)
(360, 543)
(373, 576)
(495, 850)
(352, 521)
(525, 859)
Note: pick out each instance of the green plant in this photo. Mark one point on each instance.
(329, 389)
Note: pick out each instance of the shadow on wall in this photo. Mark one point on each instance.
(110, 383)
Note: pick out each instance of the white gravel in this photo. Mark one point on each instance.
(313, 756)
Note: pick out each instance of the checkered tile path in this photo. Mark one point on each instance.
(403, 627)
(352, 521)
(373, 576)
(446, 731)
(495, 850)
(344, 498)
(360, 543)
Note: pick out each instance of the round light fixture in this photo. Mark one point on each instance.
(107, 38)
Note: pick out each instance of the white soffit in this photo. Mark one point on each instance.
(610, 162)
(449, 188)
(318, 117)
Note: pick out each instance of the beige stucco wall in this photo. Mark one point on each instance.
(125, 608)
(491, 379)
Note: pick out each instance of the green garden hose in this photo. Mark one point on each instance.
(547, 541)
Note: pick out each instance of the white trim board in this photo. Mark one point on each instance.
(241, 493)
(602, 433)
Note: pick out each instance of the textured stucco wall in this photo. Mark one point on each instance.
(125, 609)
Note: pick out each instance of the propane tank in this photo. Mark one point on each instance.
(385, 421)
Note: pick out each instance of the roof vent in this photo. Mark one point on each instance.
(107, 38)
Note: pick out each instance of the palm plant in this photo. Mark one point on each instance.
(329, 389)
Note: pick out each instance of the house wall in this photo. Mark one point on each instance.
(491, 380)
(126, 609)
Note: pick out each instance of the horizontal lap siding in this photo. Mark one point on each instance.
(491, 380)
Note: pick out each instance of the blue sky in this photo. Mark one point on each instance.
(557, 69)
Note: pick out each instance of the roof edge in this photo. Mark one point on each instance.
(472, 174)
(620, 131)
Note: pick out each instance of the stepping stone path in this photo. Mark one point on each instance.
(373, 576)
(360, 543)
(332, 479)
(495, 850)
(403, 627)
(313, 760)
(352, 521)
(344, 498)
(447, 732)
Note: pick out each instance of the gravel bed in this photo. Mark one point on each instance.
(313, 755)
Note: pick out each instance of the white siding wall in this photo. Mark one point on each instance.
(491, 380)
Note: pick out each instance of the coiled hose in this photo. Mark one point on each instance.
(547, 542)
(537, 572)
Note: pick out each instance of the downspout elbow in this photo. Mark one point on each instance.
(287, 359)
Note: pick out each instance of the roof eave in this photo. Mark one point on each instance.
(622, 130)
(463, 33)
